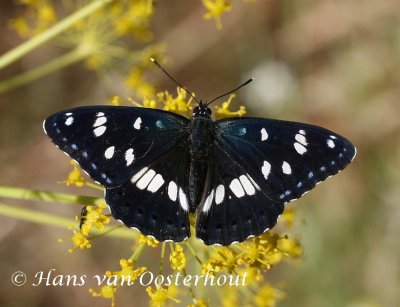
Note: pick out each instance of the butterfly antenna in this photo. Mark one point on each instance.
(234, 90)
(176, 82)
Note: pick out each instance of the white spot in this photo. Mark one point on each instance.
(172, 190)
(300, 148)
(156, 183)
(68, 114)
(183, 200)
(159, 124)
(208, 202)
(237, 188)
(100, 121)
(301, 139)
(74, 146)
(242, 131)
(69, 121)
(266, 169)
(145, 180)
(302, 132)
(333, 163)
(286, 169)
(99, 114)
(219, 194)
(99, 131)
(264, 134)
(310, 175)
(138, 123)
(322, 168)
(139, 174)
(248, 187)
(129, 156)
(109, 153)
(333, 137)
(253, 182)
(299, 184)
(330, 143)
(288, 192)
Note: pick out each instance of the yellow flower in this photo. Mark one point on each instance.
(159, 296)
(20, 25)
(127, 274)
(79, 240)
(178, 104)
(199, 303)
(94, 217)
(150, 241)
(178, 258)
(268, 296)
(136, 81)
(75, 176)
(289, 246)
(224, 111)
(215, 9)
(106, 292)
(288, 217)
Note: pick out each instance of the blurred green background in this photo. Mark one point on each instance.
(330, 63)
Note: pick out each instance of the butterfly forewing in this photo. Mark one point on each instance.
(286, 159)
(113, 143)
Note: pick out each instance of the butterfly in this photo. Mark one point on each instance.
(236, 174)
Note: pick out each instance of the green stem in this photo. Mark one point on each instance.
(24, 48)
(57, 64)
(58, 221)
(34, 195)
(162, 256)
(138, 252)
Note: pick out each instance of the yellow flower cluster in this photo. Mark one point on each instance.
(126, 276)
(149, 241)
(94, 217)
(178, 258)
(75, 176)
(41, 15)
(159, 296)
(215, 9)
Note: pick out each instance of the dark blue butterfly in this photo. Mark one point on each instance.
(236, 174)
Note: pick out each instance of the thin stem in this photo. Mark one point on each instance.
(138, 252)
(162, 256)
(193, 253)
(65, 60)
(24, 48)
(35, 195)
(58, 221)
(94, 185)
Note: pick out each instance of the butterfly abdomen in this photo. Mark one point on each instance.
(201, 142)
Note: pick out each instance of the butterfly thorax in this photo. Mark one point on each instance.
(201, 145)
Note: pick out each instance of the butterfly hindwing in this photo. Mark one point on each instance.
(155, 200)
(113, 143)
(235, 206)
(257, 166)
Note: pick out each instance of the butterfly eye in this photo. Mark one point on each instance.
(208, 111)
(196, 110)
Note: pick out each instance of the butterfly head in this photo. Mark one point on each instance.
(201, 110)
